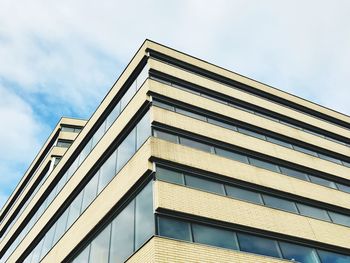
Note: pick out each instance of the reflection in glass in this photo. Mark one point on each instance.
(330, 257)
(60, 226)
(170, 176)
(173, 228)
(98, 134)
(204, 184)
(339, 218)
(251, 133)
(232, 155)
(313, 212)
(166, 136)
(195, 144)
(279, 142)
(74, 210)
(83, 256)
(258, 245)
(85, 152)
(48, 239)
(191, 114)
(294, 173)
(279, 203)
(107, 171)
(298, 253)
(100, 246)
(113, 115)
(321, 181)
(90, 191)
(243, 194)
(264, 165)
(143, 130)
(126, 149)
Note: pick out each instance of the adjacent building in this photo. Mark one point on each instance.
(184, 161)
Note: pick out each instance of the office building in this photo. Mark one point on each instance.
(184, 161)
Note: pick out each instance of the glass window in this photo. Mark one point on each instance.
(214, 236)
(169, 176)
(222, 124)
(279, 142)
(73, 168)
(243, 194)
(313, 212)
(264, 165)
(85, 152)
(83, 256)
(100, 246)
(329, 158)
(126, 149)
(231, 155)
(107, 171)
(144, 217)
(340, 218)
(163, 105)
(166, 136)
(191, 114)
(122, 240)
(321, 181)
(204, 184)
(90, 191)
(48, 239)
(67, 129)
(128, 95)
(330, 257)
(195, 144)
(294, 173)
(279, 203)
(60, 226)
(143, 75)
(303, 150)
(347, 164)
(298, 253)
(251, 133)
(37, 251)
(258, 245)
(173, 228)
(98, 134)
(74, 210)
(143, 130)
(64, 144)
(113, 115)
(343, 187)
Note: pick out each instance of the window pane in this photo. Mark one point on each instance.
(100, 246)
(279, 203)
(83, 256)
(113, 115)
(329, 158)
(107, 171)
(126, 149)
(122, 241)
(258, 245)
(48, 239)
(263, 164)
(67, 129)
(347, 164)
(143, 75)
(204, 184)
(321, 181)
(163, 105)
(339, 218)
(195, 144)
(243, 194)
(303, 150)
(90, 191)
(169, 176)
(251, 133)
(330, 257)
(298, 253)
(222, 124)
(73, 168)
(128, 95)
(344, 188)
(173, 228)
(143, 130)
(60, 226)
(190, 114)
(166, 136)
(294, 173)
(85, 152)
(37, 251)
(74, 210)
(214, 236)
(232, 155)
(144, 217)
(313, 212)
(279, 142)
(98, 134)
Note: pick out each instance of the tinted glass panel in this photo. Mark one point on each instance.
(344, 188)
(100, 246)
(234, 156)
(74, 210)
(328, 158)
(190, 114)
(163, 105)
(126, 149)
(258, 245)
(122, 240)
(195, 144)
(166, 136)
(347, 164)
(263, 164)
(37, 251)
(243, 194)
(321, 181)
(278, 203)
(330, 257)
(339, 218)
(214, 236)
(83, 257)
(98, 134)
(144, 218)
(303, 150)
(293, 173)
(113, 115)
(48, 241)
(60, 226)
(85, 152)
(204, 184)
(251, 133)
(143, 130)
(143, 75)
(313, 212)
(298, 253)
(90, 191)
(174, 228)
(107, 171)
(170, 176)
(279, 142)
(222, 124)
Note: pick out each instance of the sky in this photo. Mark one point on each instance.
(59, 58)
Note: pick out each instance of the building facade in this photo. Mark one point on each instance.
(184, 161)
